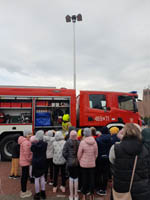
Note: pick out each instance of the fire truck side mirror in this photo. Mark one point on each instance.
(135, 110)
(108, 108)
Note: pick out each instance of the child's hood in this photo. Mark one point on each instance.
(89, 140)
(39, 148)
(39, 145)
(49, 133)
(59, 136)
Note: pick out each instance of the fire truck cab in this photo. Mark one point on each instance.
(101, 108)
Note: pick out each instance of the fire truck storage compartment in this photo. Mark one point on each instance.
(42, 119)
(16, 110)
(54, 106)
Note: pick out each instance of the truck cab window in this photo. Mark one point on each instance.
(97, 101)
(126, 103)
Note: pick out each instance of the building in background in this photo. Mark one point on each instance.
(144, 105)
(140, 108)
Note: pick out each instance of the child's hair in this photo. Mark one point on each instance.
(132, 130)
(82, 133)
(73, 135)
(93, 131)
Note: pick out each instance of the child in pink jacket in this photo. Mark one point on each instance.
(25, 161)
(87, 154)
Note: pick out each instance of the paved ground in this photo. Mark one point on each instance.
(10, 188)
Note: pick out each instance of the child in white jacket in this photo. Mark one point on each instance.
(49, 138)
(59, 161)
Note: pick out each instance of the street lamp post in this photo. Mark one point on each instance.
(74, 18)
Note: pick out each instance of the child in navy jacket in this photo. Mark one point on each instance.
(39, 164)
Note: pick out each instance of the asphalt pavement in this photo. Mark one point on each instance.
(10, 188)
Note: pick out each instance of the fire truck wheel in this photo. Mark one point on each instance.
(6, 147)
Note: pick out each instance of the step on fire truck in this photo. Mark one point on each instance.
(41, 107)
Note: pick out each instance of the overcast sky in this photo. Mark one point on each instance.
(112, 44)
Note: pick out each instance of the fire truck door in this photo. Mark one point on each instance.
(98, 114)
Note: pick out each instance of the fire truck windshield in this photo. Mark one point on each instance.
(127, 103)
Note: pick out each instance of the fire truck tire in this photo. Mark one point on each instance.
(6, 147)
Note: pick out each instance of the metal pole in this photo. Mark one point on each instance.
(74, 56)
(73, 18)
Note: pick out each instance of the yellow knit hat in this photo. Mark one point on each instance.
(79, 133)
(114, 130)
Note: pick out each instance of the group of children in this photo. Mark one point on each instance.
(72, 155)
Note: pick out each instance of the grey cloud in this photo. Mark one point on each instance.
(112, 43)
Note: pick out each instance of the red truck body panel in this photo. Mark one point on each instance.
(88, 116)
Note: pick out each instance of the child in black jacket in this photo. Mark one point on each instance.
(14, 173)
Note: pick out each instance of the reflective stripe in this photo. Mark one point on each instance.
(115, 124)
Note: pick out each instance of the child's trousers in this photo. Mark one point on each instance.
(14, 167)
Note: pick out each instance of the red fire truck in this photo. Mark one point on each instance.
(40, 108)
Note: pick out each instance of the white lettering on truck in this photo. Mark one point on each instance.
(101, 118)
